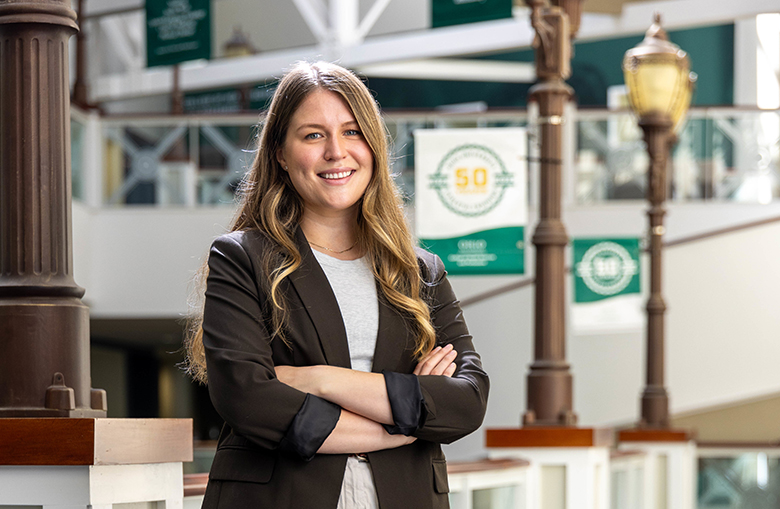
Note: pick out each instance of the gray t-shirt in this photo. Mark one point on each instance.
(354, 286)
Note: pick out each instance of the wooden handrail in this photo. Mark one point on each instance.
(711, 444)
(721, 231)
(495, 292)
(195, 484)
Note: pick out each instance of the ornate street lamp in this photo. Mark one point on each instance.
(549, 390)
(660, 85)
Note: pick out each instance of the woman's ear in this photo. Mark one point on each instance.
(280, 158)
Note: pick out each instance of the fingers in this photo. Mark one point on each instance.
(440, 361)
(450, 369)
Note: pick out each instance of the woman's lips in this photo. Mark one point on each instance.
(336, 175)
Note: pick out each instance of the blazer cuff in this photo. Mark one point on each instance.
(406, 403)
(313, 423)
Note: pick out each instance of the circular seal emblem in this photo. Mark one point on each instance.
(607, 268)
(471, 180)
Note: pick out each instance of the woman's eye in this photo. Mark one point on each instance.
(353, 132)
(312, 136)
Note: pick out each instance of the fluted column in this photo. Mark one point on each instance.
(44, 326)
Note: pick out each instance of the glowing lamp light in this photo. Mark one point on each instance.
(658, 77)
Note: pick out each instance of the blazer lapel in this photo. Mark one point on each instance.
(393, 340)
(315, 292)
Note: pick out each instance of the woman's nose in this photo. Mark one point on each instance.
(335, 148)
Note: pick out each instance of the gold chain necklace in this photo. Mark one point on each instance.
(333, 250)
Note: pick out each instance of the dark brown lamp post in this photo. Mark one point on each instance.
(44, 326)
(549, 420)
(549, 392)
(659, 83)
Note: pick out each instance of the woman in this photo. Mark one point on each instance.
(335, 351)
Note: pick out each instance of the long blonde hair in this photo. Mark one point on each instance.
(269, 203)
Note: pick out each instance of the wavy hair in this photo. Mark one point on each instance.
(269, 203)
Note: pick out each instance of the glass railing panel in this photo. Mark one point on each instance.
(148, 164)
(224, 154)
(721, 154)
(610, 161)
(746, 480)
(176, 161)
(502, 497)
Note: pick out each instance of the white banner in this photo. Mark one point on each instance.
(471, 198)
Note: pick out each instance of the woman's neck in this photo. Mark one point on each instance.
(334, 236)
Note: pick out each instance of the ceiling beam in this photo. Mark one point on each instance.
(453, 69)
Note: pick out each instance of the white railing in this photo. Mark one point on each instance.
(487, 484)
(724, 154)
(735, 476)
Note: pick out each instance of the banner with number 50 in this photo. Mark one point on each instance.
(471, 198)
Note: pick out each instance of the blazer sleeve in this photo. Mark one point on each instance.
(241, 377)
(453, 406)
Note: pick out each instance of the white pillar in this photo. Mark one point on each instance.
(670, 473)
(92, 486)
(745, 62)
(564, 477)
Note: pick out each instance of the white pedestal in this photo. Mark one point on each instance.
(569, 466)
(564, 477)
(669, 473)
(89, 463)
(488, 483)
(92, 486)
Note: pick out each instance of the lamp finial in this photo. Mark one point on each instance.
(655, 30)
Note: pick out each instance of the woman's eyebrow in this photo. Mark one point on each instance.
(314, 125)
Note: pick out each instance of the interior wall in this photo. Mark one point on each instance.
(723, 339)
(721, 345)
(752, 420)
(109, 372)
(140, 261)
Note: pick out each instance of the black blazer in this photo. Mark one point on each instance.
(254, 466)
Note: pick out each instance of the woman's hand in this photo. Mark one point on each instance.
(439, 361)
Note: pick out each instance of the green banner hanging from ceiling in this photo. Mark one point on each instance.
(177, 31)
(457, 12)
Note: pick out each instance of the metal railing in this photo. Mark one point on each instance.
(739, 476)
(723, 154)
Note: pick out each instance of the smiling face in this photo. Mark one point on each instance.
(326, 156)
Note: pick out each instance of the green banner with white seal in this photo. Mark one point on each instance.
(605, 268)
(177, 31)
(470, 198)
(457, 12)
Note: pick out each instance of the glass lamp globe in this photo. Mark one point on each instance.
(658, 77)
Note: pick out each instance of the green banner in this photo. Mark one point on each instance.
(457, 12)
(498, 251)
(177, 31)
(604, 268)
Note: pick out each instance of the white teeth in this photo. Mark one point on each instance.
(339, 175)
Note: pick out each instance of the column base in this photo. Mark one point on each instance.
(59, 463)
(90, 441)
(569, 465)
(670, 467)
